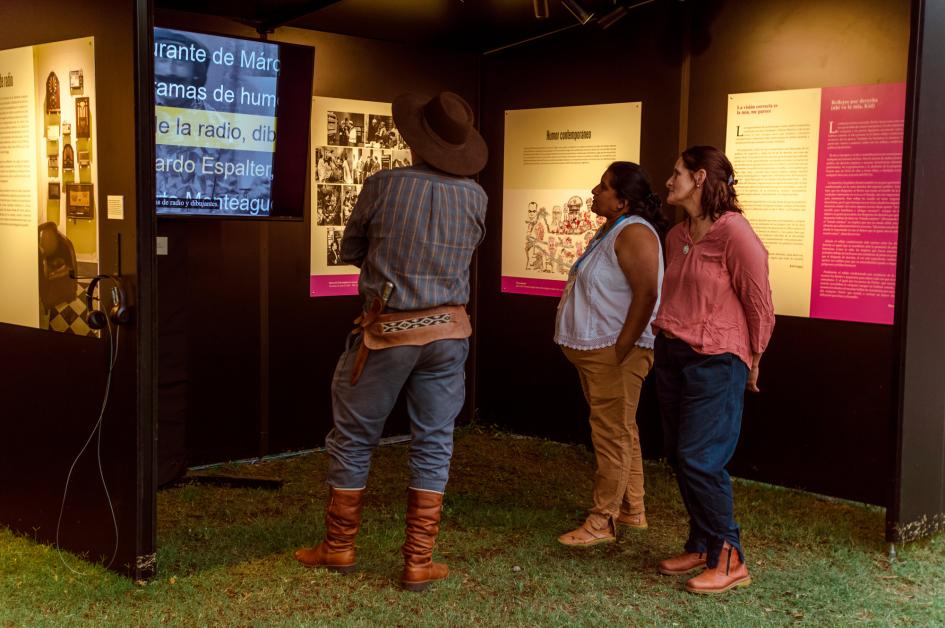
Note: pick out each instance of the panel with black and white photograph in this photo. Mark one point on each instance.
(334, 246)
(371, 160)
(345, 128)
(328, 205)
(328, 168)
(382, 133)
(349, 198)
(400, 158)
(338, 165)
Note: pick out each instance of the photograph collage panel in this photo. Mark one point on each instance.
(359, 145)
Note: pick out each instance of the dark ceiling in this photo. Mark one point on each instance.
(469, 25)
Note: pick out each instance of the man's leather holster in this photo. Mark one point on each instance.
(419, 327)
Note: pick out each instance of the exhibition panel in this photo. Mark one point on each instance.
(71, 454)
(818, 177)
(49, 217)
(351, 140)
(550, 156)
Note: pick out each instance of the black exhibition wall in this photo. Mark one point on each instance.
(53, 383)
(825, 420)
(918, 505)
(246, 355)
(524, 382)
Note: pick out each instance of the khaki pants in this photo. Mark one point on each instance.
(613, 392)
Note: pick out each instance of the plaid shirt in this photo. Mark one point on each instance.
(417, 228)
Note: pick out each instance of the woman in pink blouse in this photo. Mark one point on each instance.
(714, 322)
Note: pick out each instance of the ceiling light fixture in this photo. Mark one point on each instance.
(541, 9)
(620, 10)
(608, 20)
(581, 14)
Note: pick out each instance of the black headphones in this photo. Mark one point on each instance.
(120, 312)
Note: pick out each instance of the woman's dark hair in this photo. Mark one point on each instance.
(632, 184)
(718, 189)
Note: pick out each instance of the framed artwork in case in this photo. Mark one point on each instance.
(52, 93)
(80, 200)
(83, 117)
(68, 157)
(53, 190)
(75, 80)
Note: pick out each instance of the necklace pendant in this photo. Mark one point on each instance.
(685, 249)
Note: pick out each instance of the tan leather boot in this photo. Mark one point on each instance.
(682, 563)
(342, 522)
(423, 525)
(729, 573)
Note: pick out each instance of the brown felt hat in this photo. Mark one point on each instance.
(440, 130)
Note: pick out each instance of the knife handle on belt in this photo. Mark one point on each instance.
(366, 319)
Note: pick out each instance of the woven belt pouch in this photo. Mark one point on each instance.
(419, 327)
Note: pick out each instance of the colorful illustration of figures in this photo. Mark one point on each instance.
(553, 246)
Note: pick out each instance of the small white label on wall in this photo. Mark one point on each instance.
(162, 245)
(116, 207)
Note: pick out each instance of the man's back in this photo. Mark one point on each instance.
(417, 228)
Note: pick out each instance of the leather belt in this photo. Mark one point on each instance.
(418, 327)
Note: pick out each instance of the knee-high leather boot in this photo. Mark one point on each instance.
(342, 522)
(423, 525)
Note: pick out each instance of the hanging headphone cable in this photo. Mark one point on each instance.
(112, 359)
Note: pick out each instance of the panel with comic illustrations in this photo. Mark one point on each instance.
(553, 158)
(351, 140)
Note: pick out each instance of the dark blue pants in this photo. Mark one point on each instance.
(701, 399)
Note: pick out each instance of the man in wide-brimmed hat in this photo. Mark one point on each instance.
(413, 232)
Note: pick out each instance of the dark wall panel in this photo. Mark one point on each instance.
(525, 383)
(826, 414)
(53, 384)
(271, 388)
(918, 507)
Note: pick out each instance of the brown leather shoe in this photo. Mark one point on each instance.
(342, 522)
(423, 526)
(637, 521)
(729, 573)
(594, 531)
(682, 564)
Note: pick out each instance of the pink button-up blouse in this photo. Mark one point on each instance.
(716, 296)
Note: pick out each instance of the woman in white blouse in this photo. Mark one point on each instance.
(603, 327)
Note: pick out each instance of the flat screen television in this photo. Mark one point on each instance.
(232, 125)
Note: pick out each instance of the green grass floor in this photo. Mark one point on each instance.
(225, 556)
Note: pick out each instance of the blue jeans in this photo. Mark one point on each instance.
(434, 378)
(701, 399)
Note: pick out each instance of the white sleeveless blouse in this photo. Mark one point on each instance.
(595, 302)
